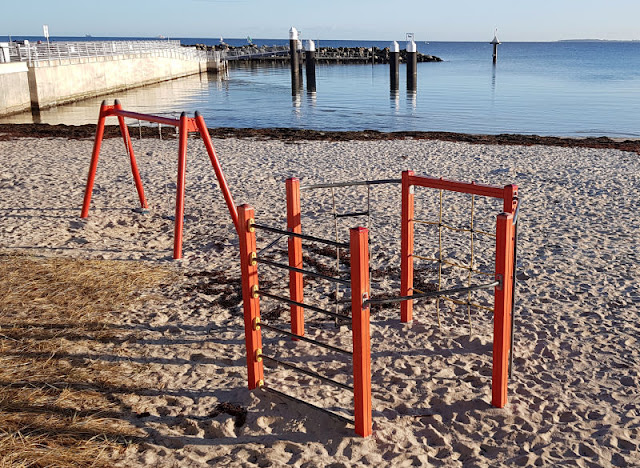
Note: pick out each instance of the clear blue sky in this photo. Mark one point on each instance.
(440, 20)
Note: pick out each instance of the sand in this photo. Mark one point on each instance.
(574, 397)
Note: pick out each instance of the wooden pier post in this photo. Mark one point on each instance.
(412, 63)
(394, 66)
(310, 64)
(295, 60)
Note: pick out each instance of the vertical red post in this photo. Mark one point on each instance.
(502, 309)
(250, 297)
(94, 159)
(360, 292)
(226, 193)
(182, 172)
(124, 130)
(510, 203)
(406, 253)
(294, 224)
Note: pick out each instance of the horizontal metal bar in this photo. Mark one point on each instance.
(453, 264)
(301, 236)
(306, 272)
(306, 306)
(304, 338)
(451, 228)
(351, 215)
(298, 400)
(454, 186)
(442, 292)
(315, 375)
(351, 184)
(146, 117)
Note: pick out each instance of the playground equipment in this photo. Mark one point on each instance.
(502, 282)
(185, 126)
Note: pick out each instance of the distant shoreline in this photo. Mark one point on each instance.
(77, 132)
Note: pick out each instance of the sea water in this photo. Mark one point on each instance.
(548, 88)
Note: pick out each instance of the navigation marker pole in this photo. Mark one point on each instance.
(495, 43)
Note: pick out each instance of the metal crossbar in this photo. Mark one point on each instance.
(306, 306)
(341, 245)
(351, 215)
(271, 244)
(442, 292)
(351, 184)
(453, 264)
(304, 338)
(315, 375)
(300, 270)
(298, 400)
(452, 228)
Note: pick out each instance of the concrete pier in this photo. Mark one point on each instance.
(38, 83)
(14, 88)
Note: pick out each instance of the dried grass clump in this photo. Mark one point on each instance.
(59, 408)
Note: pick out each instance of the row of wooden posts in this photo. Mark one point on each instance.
(295, 49)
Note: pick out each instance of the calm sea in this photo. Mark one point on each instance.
(549, 88)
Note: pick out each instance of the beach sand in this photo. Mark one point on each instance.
(574, 397)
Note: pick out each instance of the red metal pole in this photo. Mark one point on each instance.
(294, 224)
(250, 297)
(406, 253)
(360, 292)
(226, 193)
(502, 310)
(124, 130)
(182, 169)
(94, 159)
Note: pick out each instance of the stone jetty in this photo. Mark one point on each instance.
(327, 54)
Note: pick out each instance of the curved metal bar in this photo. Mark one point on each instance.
(301, 236)
(298, 400)
(306, 272)
(442, 292)
(352, 184)
(304, 338)
(315, 375)
(306, 306)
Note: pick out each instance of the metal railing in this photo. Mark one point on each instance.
(36, 53)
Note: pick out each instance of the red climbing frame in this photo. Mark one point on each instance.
(505, 238)
(185, 126)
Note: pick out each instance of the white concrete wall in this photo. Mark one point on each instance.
(70, 80)
(14, 88)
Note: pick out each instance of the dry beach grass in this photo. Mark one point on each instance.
(174, 367)
(56, 406)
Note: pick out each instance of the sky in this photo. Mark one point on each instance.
(441, 20)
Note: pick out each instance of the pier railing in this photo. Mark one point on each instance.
(35, 53)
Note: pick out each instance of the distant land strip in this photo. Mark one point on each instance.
(292, 135)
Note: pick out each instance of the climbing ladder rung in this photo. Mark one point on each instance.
(351, 215)
(298, 400)
(315, 375)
